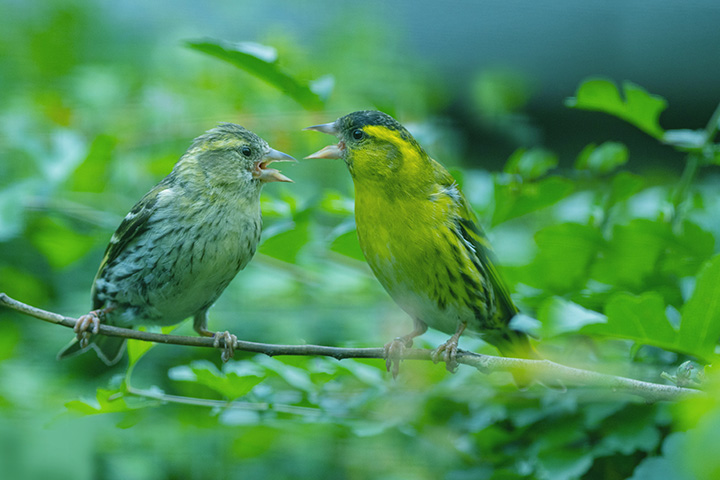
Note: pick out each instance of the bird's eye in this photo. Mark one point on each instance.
(247, 151)
(358, 134)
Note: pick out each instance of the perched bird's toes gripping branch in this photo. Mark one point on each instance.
(227, 342)
(394, 351)
(87, 325)
(448, 351)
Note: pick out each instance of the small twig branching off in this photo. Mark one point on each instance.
(543, 370)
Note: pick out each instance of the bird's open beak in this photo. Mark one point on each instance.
(331, 151)
(270, 174)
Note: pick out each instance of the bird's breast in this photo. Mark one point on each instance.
(180, 265)
(415, 253)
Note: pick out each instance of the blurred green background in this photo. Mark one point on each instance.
(99, 100)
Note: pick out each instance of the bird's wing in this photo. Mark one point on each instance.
(469, 228)
(132, 226)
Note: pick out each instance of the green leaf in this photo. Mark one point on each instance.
(286, 239)
(687, 251)
(81, 407)
(700, 325)
(364, 373)
(230, 385)
(559, 435)
(26, 284)
(92, 173)
(603, 159)
(273, 207)
(565, 252)
(632, 254)
(643, 318)
(564, 464)
(640, 318)
(107, 401)
(261, 61)
(584, 154)
(531, 164)
(623, 186)
(61, 244)
(348, 244)
(559, 316)
(638, 107)
(9, 340)
(644, 248)
(631, 430)
(672, 464)
(336, 203)
(137, 348)
(294, 376)
(516, 199)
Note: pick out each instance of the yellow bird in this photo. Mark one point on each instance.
(422, 239)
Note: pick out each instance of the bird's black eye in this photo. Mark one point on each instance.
(247, 151)
(358, 134)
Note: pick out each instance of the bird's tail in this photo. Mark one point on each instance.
(108, 349)
(516, 344)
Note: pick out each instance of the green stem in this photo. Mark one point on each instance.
(679, 199)
(692, 164)
(712, 127)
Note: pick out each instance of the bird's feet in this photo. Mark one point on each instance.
(447, 352)
(228, 339)
(87, 325)
(393, 354)
(228, 344)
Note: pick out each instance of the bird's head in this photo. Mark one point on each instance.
(230, 156)
(375, 148)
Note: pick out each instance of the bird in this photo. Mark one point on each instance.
(180, 246)
(422, 240)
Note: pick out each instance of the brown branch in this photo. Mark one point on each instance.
(542, 370)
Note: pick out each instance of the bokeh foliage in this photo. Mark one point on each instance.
(617, 261)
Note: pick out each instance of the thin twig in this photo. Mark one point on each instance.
(222, 404)
(542, 370)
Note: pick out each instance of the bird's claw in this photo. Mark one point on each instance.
(447, 352)
(86, 326)
(228, 348)
(393, 354)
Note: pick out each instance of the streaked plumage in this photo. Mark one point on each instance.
(421, 238)
(184, 241)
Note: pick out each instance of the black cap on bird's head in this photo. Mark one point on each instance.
(351, 128)
(368, 117)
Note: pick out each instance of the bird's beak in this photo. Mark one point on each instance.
(270, 174)
(331, 151)
(328, 128)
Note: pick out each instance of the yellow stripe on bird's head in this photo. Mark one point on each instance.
(375, 146)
